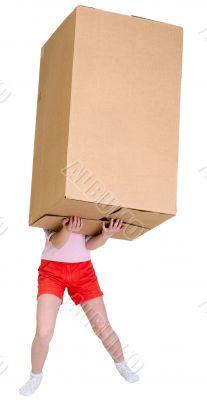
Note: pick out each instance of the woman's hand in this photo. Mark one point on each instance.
(72, 224)
(114, 227)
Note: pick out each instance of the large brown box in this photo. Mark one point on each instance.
(107, 123)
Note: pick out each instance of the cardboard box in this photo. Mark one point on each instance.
(107, 123)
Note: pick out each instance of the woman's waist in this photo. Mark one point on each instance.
(65, 256)
(62, 262)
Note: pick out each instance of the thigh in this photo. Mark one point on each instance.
(51, 278)
(47, 309)
(95, 311)
(84, 284)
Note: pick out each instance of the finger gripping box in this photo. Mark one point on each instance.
(107, 123)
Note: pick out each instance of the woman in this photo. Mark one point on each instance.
(66, 263)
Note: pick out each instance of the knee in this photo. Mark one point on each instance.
(44, 335)
(103, 330)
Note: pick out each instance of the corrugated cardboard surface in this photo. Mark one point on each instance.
(52, 119)
(125, 108)
(107, 122)
(93, 227)
(136, 222)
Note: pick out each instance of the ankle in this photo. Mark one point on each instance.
(36, 373)
(120, 362)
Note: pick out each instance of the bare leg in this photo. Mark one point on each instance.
(47, 309)
(96, 312)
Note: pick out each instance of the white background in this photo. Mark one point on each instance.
(154, 286)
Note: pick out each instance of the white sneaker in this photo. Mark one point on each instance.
(31, 385)
(126, 372)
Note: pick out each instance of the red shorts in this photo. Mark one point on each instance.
(78, 277)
